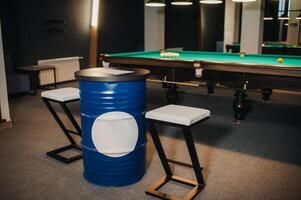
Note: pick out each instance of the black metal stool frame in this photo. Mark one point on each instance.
(55, 153)
(198, 185)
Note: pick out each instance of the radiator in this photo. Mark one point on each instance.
(65, 68)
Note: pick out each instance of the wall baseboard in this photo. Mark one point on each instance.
(5, 124)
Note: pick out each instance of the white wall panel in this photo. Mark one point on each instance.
(154, 28)
(252, 27)
(3, 88)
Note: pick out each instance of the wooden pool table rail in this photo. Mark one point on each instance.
(279, 70)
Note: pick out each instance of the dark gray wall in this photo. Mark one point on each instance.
(40, 29)
(271, 28)
(181, 26)
(212, 25)
(9, 29)
(122, 26)
(195, 27)
(32, 36)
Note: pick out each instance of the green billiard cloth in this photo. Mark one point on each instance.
(252, 59)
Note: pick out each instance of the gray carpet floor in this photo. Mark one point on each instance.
(256, 159)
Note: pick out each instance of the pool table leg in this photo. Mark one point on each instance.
(240, 105)
(266, 94)
(172, 93)
(210, 88)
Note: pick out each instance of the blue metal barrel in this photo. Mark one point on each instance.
(113, 127)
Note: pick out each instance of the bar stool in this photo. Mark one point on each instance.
(63, 96)
(183, 117)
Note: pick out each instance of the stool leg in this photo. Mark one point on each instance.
(58, 120)
(71, 118)
(54, 77)
(159, 148)
(194, 157)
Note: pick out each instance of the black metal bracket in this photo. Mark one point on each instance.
(153, 190)
(198, 185)
(56, 153)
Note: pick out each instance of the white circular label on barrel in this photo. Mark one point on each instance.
(115, 134)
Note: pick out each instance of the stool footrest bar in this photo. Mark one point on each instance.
(74, 132)
(55, 154)
(180, 163)
(153, 190)
(184, 180)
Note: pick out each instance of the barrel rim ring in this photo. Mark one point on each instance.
(95, 74)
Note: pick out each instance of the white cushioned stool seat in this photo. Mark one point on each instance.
(62, 94)
(178, 114)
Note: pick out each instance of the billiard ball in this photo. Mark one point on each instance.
(242, 54)
(279, 60)
(169, 54)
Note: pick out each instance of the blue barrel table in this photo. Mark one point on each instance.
(112, 106)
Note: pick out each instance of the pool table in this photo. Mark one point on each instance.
(241, 73)
(270, 48)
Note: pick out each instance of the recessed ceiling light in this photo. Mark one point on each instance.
(243, 1)
(211, 1)
(284, 16)
(182, 2)
(268, 18)
(155, 3)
